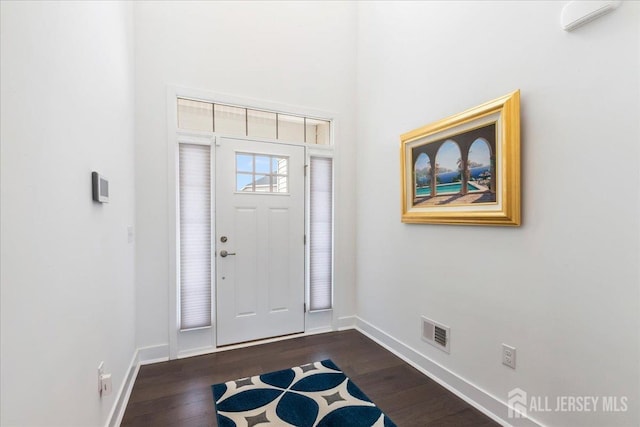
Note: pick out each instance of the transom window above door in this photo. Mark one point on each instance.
(242, 121)
(259, 173)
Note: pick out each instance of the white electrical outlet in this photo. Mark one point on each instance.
(509, 356)
(105, 381)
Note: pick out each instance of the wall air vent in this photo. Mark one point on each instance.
(436, 334)
(441, 336)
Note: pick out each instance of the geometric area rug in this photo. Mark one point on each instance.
(316, 394)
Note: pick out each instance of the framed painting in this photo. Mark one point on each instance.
(464, 169)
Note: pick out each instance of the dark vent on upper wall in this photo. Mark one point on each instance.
(435, 334)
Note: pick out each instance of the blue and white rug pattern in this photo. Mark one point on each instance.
(316, 394)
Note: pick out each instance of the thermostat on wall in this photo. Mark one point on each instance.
(100, 187)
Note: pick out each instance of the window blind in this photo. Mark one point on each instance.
(321, 233)
(195, 236)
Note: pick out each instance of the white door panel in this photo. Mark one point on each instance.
(260, 283)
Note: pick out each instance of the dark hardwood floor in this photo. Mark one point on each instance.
(178, 392)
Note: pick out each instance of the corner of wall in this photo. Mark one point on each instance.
(486, 403)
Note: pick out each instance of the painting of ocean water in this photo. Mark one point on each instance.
(447, 177)
(451, 162)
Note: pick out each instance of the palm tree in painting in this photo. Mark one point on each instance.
(438, 171)
(461, 171)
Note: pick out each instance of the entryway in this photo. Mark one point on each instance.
(250, 200)
(259, 223)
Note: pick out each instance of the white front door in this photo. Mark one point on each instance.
(259, 240)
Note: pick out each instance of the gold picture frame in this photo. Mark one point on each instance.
(464, 169)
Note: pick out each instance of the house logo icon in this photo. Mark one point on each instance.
(517, 402)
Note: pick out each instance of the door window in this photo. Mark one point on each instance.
(259, 173)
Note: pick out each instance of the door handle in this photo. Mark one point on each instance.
(224, 253)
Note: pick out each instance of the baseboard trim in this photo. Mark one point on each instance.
(142, 356)
(153, 354)
(122, 399)
(320, 330)
(347, 322)
(470, 393)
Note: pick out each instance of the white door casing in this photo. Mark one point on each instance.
(260, 283)
(202, 340)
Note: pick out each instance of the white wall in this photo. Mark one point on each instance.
(67, 277)
(298, 54)
(563, 288)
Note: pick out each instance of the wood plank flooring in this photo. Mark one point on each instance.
(178, 392)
